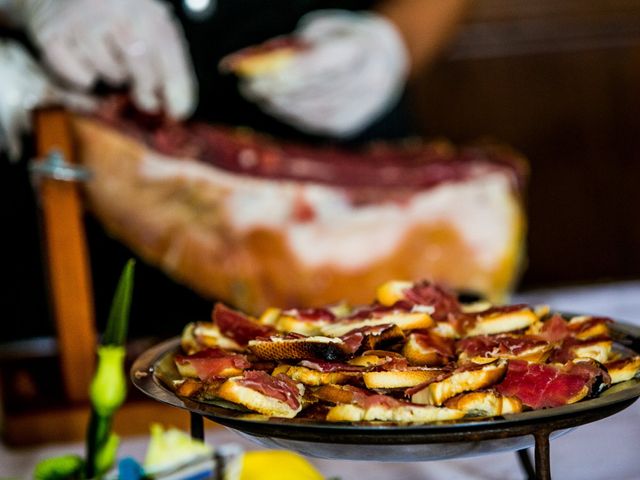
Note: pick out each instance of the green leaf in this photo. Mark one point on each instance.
(108, 386)
(65, 467)
(106, 455)
(98, 433)
(118, 323)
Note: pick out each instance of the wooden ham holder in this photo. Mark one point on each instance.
(66, 253)
(57, 181)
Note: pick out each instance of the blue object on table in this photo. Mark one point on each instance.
(129, 469)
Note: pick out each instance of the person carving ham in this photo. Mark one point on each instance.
(82, 42)
(351, 73)
(345, 84)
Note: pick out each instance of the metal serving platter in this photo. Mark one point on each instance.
(374, 441)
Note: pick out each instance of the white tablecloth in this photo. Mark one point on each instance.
(604, 450)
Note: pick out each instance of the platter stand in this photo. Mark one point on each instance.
(540, 432)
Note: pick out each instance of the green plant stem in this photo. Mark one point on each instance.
(97, 437)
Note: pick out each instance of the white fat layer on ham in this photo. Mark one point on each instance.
(480, 209)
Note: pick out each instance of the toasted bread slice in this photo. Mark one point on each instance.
(258, 63)
(254, 400)
(476, 307)
(585, 327)
(399, 414)
(339, 393)
(374, 358)
(392, 291)
(487, 403)
(190, 387)
(404, 320)
(315, 378)
(389, 336)
(428, 349)
(302, 326)
(502, 322)
(437, 393)
(197, 336)
(187, 370)
(320, 347)
(446, 329)
(198, 389)
(535, 354)
(270, 316)
(598, 350)
(400, 378)
(520, 347)
(623, 369)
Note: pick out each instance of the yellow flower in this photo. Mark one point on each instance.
(109, 386)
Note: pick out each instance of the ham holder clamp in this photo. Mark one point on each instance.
(384, 442)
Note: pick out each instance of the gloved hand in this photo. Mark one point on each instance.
(24, 86)
(354, 69)
(118, 41)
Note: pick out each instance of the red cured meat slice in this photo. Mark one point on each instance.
(567, 350)
(325, 367)
(311, 314)
(542, 386)
(237, 326)
(211, 362)
(482, 345)
(354, 339)
(377, 311)
(555, 329)
(407, 168)
(426, 293)
(430, 340)
(279, 386)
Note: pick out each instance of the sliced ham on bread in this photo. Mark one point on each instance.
(487, 403)
(277, 396)
(465, 379)
(317, 347)
(623, 369)
(391, 379)
(396, 414)
(502, 320)
(315, 377)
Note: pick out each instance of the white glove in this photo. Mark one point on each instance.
(353, 71)
(24, 86)
(118, 41)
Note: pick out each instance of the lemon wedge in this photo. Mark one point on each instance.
(271, 465)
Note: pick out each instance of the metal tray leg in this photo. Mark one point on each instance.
(197, 426)
(542, 455)
(542, 470)
(526, 464)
